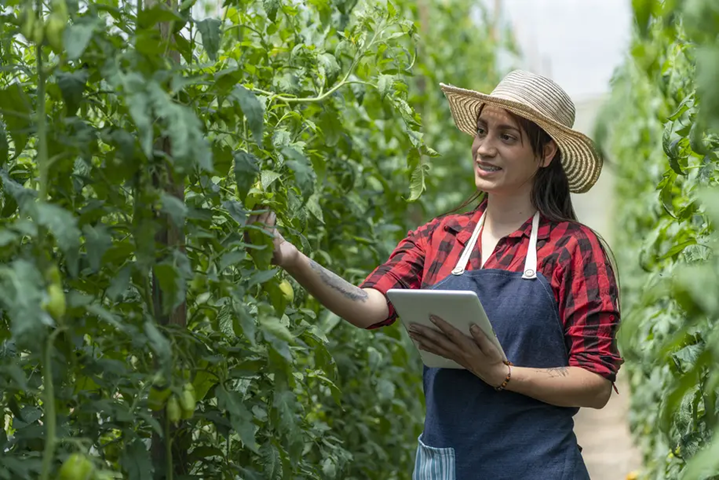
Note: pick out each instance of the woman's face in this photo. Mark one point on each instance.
(504, 162)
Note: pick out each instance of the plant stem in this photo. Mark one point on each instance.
(168, 449)
(42, 161)
(49, 404)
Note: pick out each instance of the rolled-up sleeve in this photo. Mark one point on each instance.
(403, 269)
(589, 307)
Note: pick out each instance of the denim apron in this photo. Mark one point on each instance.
(471, 431)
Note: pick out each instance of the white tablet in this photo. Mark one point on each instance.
(460, 308)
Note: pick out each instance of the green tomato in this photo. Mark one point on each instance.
(59, 8)
(52, 275)
(112, 452)
(38, 32)
(77, 467)
(27, 22)
(287, 291)
(53, 31)
(173, 409)
(55, 304)
(156, 398)
(187, 401)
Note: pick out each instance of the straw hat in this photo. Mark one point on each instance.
(542, 101)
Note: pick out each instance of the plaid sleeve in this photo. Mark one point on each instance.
(403, 269)
(589, 306)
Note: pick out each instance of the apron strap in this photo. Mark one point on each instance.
(467, 252)
(530, 264)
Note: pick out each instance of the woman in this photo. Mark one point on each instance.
(543, 278)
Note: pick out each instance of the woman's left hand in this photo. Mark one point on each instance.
(477, 354)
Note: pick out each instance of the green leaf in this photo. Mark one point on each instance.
(23, 289)
(418, 171)
(4, 146)
(683, 106)
(268, 177)
(247, 166)
(203, 382)
(642, 14)
(97, 242)
(174, 208)
(286, 404)
(173, 275)
(149, 17)
(159, 344)
(16, 374)
(678, 248)
(185, 131)
(23, 196)
(666, 187)
(236, 211)
(210, 29)
(275, 327)
(271, 7)
(384, 85)
(313, 205)
(272, 466)
(705, 463)
(16, 111)
(63, 226)
(331, 126)
(136, 461)
(674, 162)
(72, 85)
(244, 322)
(261, 276)
(137, 106)
(110, 318)
(240, 417)
(329, 64)
(76, 38)
(302, 168)
(253, 111)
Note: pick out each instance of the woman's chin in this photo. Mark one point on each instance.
(485, 185)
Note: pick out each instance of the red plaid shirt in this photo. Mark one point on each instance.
(569, 255)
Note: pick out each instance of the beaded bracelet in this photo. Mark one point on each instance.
(509, 376)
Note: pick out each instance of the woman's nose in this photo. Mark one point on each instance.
(486, 148)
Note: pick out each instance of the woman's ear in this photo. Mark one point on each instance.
(550, 151)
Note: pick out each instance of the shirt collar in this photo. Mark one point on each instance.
(463, 225)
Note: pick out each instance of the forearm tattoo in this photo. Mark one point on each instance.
(338, 283)
(557, 372)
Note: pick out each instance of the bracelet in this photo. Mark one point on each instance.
(509, 376)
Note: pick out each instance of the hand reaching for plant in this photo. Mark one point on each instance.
(284, 252)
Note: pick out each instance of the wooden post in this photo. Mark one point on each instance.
(165, 178)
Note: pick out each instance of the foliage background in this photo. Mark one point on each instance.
(661, 128)
(131, 158)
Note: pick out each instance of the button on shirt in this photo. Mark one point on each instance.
(569, 255)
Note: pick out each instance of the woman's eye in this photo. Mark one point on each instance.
(480, 131)
(507, 138)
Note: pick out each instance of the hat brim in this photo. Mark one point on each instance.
(580, 159)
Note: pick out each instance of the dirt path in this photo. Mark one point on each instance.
(604, 436)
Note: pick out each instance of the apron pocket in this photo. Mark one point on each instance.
(434, 463)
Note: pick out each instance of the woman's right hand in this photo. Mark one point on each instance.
(284, 252)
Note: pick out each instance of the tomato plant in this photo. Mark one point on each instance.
(661, 128)
(141, 336)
